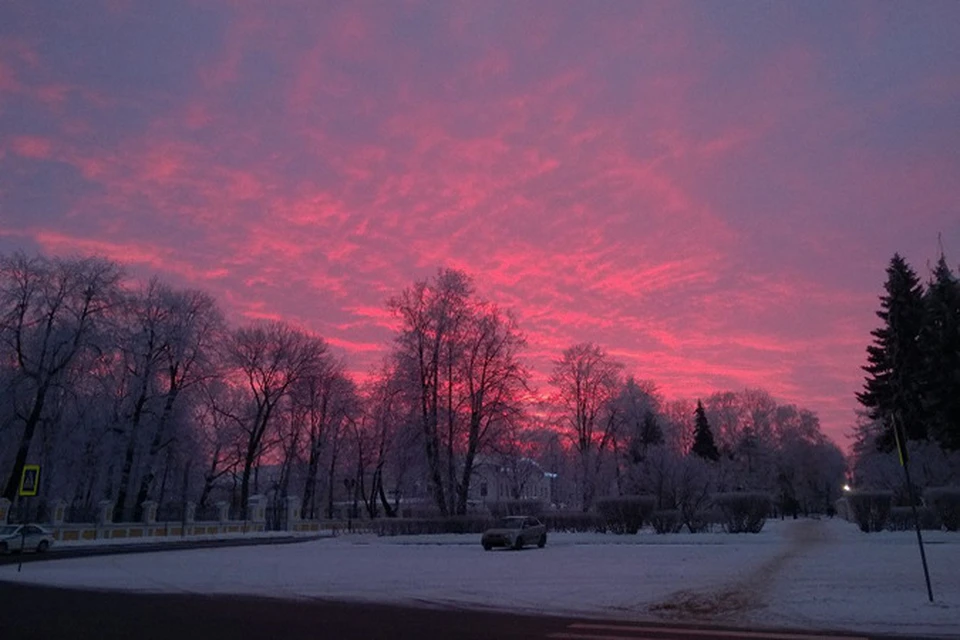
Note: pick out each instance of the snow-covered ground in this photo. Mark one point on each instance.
(813, 574)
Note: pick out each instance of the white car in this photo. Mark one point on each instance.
(29, 537)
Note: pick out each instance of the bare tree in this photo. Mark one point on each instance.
(494, 381)
(321, 401)
(431, 313)
(50, 312)
(586, 379)
(270, 358)
(143, 338)
(195, 328)
(220, 433)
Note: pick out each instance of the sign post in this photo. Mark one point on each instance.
(29, 487)
(905, 463)
(29, 481)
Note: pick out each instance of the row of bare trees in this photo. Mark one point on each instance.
(132, 392)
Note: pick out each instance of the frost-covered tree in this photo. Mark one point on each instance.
(270, 358)
(52, 315)
(586, 380)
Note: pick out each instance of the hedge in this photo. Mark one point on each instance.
(667, 521)
(743, 512)
(625, 514)
(870, 509)
(945, 502)
(901, 519)
(504, 508)
(574, 522)
(426, 526)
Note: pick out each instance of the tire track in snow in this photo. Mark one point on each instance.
(748, 593)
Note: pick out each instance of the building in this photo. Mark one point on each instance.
(496, 479)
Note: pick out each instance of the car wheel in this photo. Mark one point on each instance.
(518, 543)
(487, 547)
(3, 548)
(542, 541)
(43, 546)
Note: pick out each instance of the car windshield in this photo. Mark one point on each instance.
(8, 531)
(511, 523)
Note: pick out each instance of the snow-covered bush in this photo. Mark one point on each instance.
(426, 526)
(625, 514)
(573, 521)
(504, 508)
(666, 521)
(901, 519)
(870, 509)
(945, 502)
(743, 512)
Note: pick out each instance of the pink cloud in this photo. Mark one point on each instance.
(639, 178)
(32, 147)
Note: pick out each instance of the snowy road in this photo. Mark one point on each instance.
(803, 574)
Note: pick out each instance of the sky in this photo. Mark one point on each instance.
(710, 191)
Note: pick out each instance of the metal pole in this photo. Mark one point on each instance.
(23, 543)
(916, 521)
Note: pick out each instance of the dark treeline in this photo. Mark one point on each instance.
(127, 392)
(913, 382)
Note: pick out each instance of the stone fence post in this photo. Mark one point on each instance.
(105, 512)
(293, 512)
(149, 509)
(223, 511)
(59, 513)
(190, 512)
(256, 510)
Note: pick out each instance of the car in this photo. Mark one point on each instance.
(514, 532)
(28, 537)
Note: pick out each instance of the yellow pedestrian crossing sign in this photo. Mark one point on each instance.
(30, 480)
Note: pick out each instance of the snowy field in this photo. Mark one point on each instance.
(808, 574)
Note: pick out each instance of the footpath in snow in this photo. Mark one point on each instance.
(806, 573)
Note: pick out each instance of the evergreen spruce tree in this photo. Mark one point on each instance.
(893, 389)
(703, 444)
(940, 341)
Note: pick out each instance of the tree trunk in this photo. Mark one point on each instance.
(127, 470)
(388, 510)
(331, 473)
(13, 483)
(156, 446)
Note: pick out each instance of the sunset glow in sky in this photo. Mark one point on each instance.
(710, 191)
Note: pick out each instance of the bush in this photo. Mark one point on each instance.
(901, 519)
(420, 511)
(870, 509)
(945, 502)
(699, 521)
(428, 526)
(842, 507)
(626, 513)
(515, 508)
(574, 521)
(666, 521)
(743, 512)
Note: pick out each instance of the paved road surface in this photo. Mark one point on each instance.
(44, 613)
